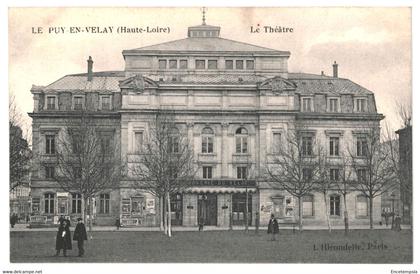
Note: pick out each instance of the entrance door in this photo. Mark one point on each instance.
(176, 209)
(239, 209)
(207, 209)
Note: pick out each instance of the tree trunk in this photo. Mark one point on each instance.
(300, 214)
(370, 212)
(162, 212)
(164, 215)
(246, 210)
(83, 209)
(346, 215)
(90, 213)
(168, 197)
(326, 212)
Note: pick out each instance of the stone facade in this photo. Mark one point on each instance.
(240, 96)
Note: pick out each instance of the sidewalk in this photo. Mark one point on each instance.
(24, 227)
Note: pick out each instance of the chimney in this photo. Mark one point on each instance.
(335, 70)
(89, 68)
(322, 73)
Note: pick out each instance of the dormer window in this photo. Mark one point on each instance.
(78, 102)
(333, 104)
(306, 104)
(51, 102)
(360, 105)
(105, 102)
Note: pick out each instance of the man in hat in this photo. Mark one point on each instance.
(80, 236)
(63, 239)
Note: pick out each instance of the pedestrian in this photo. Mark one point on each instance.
(80, 236)
(63, 239)
(117, 223)
(68, 221)
(397, 225)
(13, 220)
(273, 227)
(200, 224)
(61, 220)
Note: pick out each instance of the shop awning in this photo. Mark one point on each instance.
(220, 190)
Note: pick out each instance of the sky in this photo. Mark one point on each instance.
(371, 45)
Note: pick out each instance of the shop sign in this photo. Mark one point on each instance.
(62, 194)
(226, 183)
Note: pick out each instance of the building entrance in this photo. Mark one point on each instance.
(239, 209)
(207, 209)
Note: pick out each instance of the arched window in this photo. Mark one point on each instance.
(361, 206)
(335, 205)
(49, 203)
(241, 136)
(173, 140)
(207, 138)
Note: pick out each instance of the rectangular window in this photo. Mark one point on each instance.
(173, 144)
(241, 144)
(307, 174)
(249, 64)
(333, 104)
(173, 64)
(229, 64)
(334, 146)
(76, 203)
(276, 142)
(362, 175)
(361, 206)
(307, 104)
(200, 64)
(137, 204)
(361, 146)
(162, 64)
(241, 172)
(335, 205)
(207, 144)
(104, 203)
(183, 64)
(239, 64)
(49, 172)
(308, 205)
(212, 64)
(278, 207)
(50, 102)
(106, 144)
(307, 146)
(138, 141)
(334, 174)
(50, 144)
(78, 102)
(49, 203)
(105, 102)
(207, 172)
(361, 105)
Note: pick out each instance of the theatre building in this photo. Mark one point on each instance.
(235, 102)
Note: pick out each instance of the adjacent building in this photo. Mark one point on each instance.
(235, 102)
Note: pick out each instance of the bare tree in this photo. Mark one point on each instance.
(344, 184)
(404, 112)
(324, 183)
(88, 160)
(371, 163)
(19, 151)
(165, 163)
(296, 166)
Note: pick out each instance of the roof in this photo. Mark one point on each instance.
(305, 83)
(103, 81)
(213, 44)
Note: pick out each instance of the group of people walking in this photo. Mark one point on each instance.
(63, 238)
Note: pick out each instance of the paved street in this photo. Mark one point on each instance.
(312, 246)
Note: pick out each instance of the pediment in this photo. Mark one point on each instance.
(277, 85)
(137, 83)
